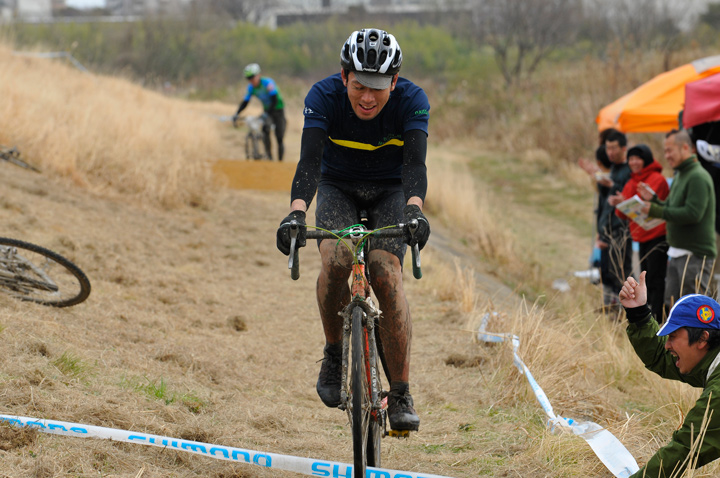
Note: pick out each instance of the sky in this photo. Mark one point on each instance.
(85, 3)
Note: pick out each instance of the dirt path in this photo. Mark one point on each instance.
(194, 329)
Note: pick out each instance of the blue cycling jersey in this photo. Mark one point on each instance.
(264, 92)
(364, 149)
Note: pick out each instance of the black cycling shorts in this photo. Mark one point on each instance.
(340, 202)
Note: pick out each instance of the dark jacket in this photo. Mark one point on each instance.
(609, 223)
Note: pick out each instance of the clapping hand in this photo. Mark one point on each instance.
(645, 191)
(615, 199)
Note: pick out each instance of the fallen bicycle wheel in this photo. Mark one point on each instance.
(35, 274)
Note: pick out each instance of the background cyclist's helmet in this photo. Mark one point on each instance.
(371, 52)
(251, 70)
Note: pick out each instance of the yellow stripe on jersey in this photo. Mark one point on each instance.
(365, 146)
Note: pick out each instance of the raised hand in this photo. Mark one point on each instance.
(633, 293)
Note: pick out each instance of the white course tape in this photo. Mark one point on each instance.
(307, 466)
(608, 448)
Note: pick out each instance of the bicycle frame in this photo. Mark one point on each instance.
(12, 155)
(11, 262)
(360, 297)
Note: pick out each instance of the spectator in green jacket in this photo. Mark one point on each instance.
(686, 348)
(690, 214)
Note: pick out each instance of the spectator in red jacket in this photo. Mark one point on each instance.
(653, 246)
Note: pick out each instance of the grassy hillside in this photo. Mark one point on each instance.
(194, 329)
(106, 134)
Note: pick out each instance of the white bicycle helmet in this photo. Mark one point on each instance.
(251, 70)
(374, 55)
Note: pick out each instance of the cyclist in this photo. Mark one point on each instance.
(363, 147)
(266, 91)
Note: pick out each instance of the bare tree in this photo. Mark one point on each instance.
(641, 25)
(522, 33)
(712, 15)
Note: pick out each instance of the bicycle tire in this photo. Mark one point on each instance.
(366, 428)
(35, 274)
(252, 146)
(360, 396)
(248, 146)
(377, 428)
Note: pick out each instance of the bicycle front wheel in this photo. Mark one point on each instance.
(366, 428)
(248, 146)
(33, 273)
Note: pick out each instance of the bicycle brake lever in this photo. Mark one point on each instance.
(294, 228)
(417, 271)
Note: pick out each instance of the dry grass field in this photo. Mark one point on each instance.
(195, 330)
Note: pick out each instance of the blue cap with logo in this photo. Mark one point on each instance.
(693, 310)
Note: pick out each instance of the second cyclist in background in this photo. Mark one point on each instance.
(363, 147)
(267, 92)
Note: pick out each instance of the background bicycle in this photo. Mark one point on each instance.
(36, 274)
(361, 391)
(254, 148)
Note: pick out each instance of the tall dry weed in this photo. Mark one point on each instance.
(105, 133)
(473, 213)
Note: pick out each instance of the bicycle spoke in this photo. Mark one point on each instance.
(33, 273)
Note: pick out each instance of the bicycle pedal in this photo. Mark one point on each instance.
(399, 433)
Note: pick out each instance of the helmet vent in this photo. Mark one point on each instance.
(361, 55)
(383, 57)
(372, 58)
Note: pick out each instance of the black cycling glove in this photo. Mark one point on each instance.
(422, 233)
(283, 232)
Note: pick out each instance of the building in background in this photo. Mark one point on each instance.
(139, 8)
(27, 10)
(446, 12)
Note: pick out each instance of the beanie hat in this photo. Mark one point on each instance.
(643, 152)
(692, 310)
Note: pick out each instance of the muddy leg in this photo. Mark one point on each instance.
(395, 322)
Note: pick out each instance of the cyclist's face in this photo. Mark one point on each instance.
(254, 80)
(366, 102)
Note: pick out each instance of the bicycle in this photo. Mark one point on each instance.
(12, 155)
(362, 395)
(254, 137)
(35, 274)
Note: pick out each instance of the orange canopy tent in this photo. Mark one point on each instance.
(653, 107)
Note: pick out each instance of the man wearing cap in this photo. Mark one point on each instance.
(363, 147)
(686, 348)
